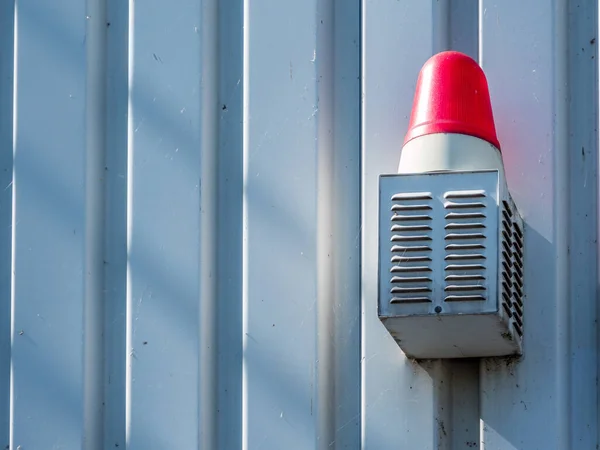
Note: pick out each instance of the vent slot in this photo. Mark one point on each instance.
(463, 236)
(408, 259)
(411, 196)
(408, 299)
(411, 208)
(464, 298)
(414, 269)
(410, 248)
(465, 277)
(466, 256)
(410, 279)
(406, 218)
(464, 267)
(465, 245)
(512, 268)
(400, 228)
(464, 215)
(463, 205)
(411, 290)
(466, 225)
(405, 238)
(411, 236)
(464, 287)
(466, 194)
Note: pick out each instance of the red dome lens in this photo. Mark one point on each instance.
(452, 96)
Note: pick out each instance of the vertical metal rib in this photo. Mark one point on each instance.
(208, 225)
(561, 219)
(94, 225)
(325, 382)
(7, 69)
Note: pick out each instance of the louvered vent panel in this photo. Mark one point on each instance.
(450, 265)
(411, 250)
(506, 259)
(517, 292)
(512, 268)
(464, 244)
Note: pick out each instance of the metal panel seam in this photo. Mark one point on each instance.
(562, 220)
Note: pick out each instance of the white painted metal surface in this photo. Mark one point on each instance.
(450, 151)
(446, 284)
(188, 224)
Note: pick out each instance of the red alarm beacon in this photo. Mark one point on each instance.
(451, 125)
(451, 242)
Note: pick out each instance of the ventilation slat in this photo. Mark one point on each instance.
(517, 239)
(410, 300)
(409, 290)
(465, 225)
(455, 247)
(518, 231)
(410, 248)
(464, 298)
(408, 218)
(457, 257)
(464, 215)
(519, 262)
(411, 280)
(411, 208)
(518, 308)
(518, 320)
(473, 277)
(518, 290)
(408, 259)
(407, 228)
(518, 329)
(414, 269)
(411, 196)
(454, 236)
(461, 267)
(518, 280)
(409, 238)
(463, 205)
(519, 253)
(465, 287)
(465, 194)
(519, 272)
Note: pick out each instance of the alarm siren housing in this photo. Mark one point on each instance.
(451, 242)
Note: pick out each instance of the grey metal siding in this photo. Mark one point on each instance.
(188, 223)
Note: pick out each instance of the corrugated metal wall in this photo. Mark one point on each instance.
(188, 224)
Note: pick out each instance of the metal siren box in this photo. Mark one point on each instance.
(450, 264)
